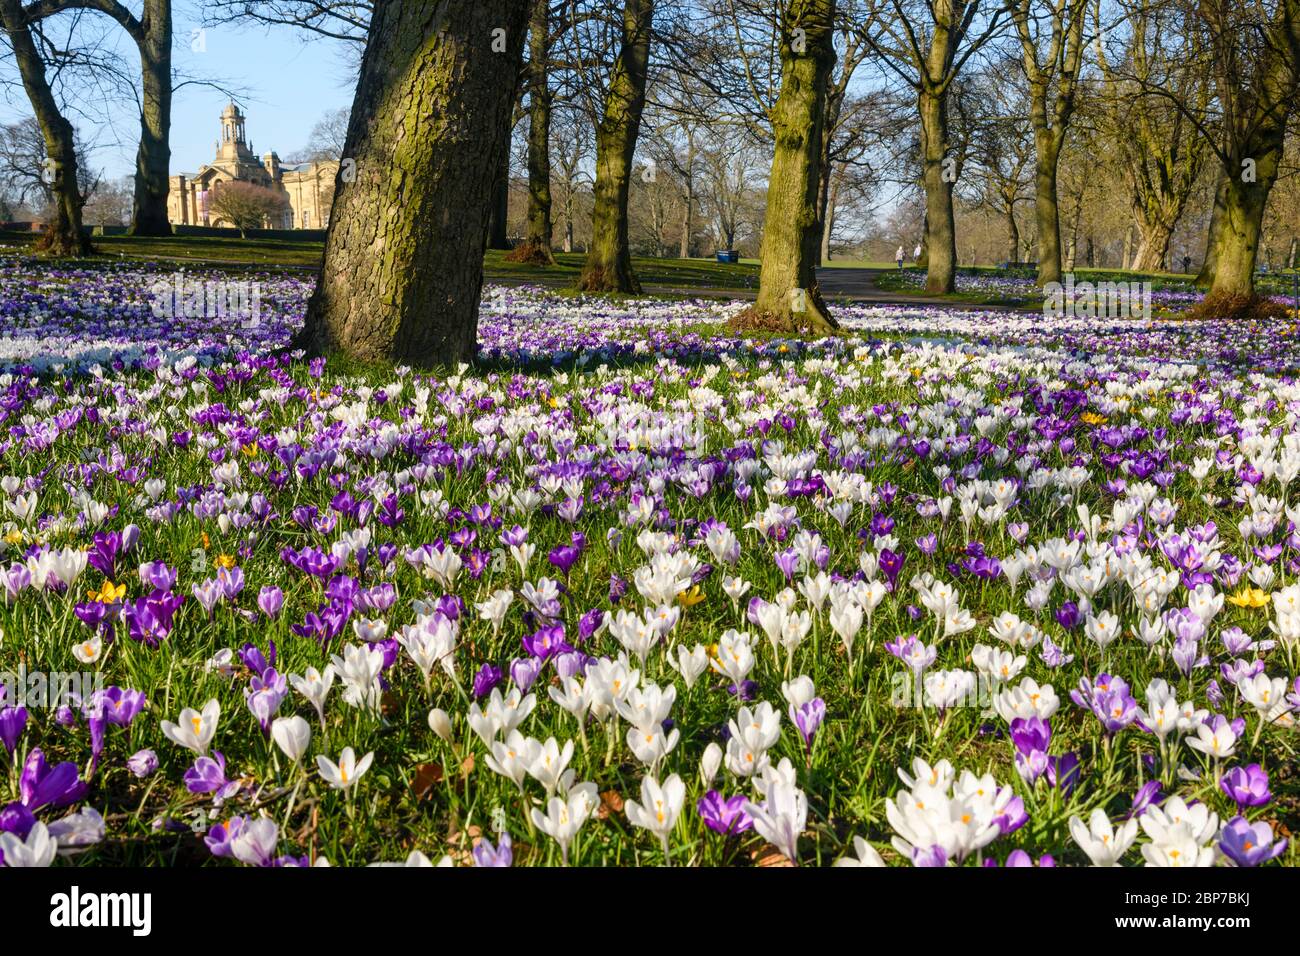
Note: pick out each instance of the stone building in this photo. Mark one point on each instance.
(308, 187)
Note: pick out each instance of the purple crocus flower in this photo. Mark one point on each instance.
(935, 856)
(1063, 772)
(142, 763)
(157, 575)
(17, 819)
(117, 705)
(1068, 616)
(42, 785)
(1030, 734)
(501, 855)
(270, 599)
(808, 718)
(725, 815)
(1148, 795)
(488, 677)
(221, 835)
(13, 720)
(788, 562)
(524, 670)
(264, 695)
(208, 775)
(1250, 844)
(891, 565)
(568, 664)
(546, 642)
(1247, 786)
(564, 557)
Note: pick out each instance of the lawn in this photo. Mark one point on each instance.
(951, 589)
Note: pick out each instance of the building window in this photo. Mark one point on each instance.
(306, 218)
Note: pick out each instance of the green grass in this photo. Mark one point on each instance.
(666, 274)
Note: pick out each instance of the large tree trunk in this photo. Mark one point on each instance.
(536, 247)
(1013, 234)
(688, 198)
(1047, 214)
(63, 234)
(828, 223)
(403, 268)
(940, 227)
(1152, 246)
(153, 157)
(1237, 243)
(1205, 278)
(788, 296)
(609, 261)
(499, 220)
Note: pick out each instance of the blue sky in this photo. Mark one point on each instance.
(289, 80)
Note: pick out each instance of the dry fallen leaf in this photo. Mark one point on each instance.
(427, 776)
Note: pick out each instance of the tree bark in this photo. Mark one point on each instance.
(499, 221)
(1047, 215)
(788, 294)
(536, 247)
(1013, 234)
(940, 227)
(1152, 245)
(403, 268)
(608, 267)
(63, 235)
(1237, 243)
(1205, 278)
(688, 197)
(153, 156)
(828, 227)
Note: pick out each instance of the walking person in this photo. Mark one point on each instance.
(916, 253)
(899, 256)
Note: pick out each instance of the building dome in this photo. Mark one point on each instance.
(231, 112)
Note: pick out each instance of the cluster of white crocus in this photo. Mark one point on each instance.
(1181, 835)
(645, 709)
(753, 733)
(359, 669)
(1286, 605)
(1268, 695)
(784, 626)
(1164, 715)
(939, 810)
(851, 602)
(943, 601)
(430, 642)
(1027, 699)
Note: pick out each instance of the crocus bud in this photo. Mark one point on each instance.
(440, 723)
(709, 764)
(292, 735)
(270, 599)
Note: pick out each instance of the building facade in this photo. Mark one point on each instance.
(308, 188)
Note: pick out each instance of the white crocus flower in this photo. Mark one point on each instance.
(195, 730)
(781, 818)
(344, 774)
(1103, 844)
(659, 808)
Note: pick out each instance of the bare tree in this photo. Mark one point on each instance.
(927, 44)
